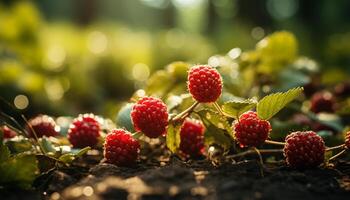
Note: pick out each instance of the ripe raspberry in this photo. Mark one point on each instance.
(192, 138)
(204, 83)
(42, 125)
(84, 131)
(322, 102)
(8, 133)
(121, 148)
(347, 140)
(150, 116)
(250, 130)
(304, 149)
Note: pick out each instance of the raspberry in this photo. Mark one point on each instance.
(42, 125)
(347, 140)
(304, 149)
(250, 130)
(322, 102)
(121, 148)
(150, 116)
(204, 83)
(192, 138)
(8, 133)
(84, 131)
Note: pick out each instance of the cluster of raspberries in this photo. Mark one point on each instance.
(149, 115)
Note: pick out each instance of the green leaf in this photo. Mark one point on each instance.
(4, 153)
(273, 103)
(173, 137)
(83, 151)
(216, 119)
(159, 83)
(45, 163)
(19, 170)
(67, 158)
(47, 145)
(237, 107)
(218, 130)
(215, 135)
(124, 119)
(19, 146)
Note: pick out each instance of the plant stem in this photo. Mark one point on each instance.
(262, 151)
(136, 135)
(337, 155)
(260, 161)
(186, 112)
(274, 142)
(35, 135)
(217, 107)
(335, 147)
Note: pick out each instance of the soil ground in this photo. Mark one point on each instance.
(159, 176)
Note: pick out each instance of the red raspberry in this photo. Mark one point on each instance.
(150, 116)
(192, 138)
(42, 125)
(204, 83)
(304, 149)
(8, 133)
(84, 131)
(322, 102)
(121, 148)
(250, 130)
(347, 140)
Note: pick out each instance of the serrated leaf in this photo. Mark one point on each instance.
(215, 135)
(218, 131)
(19, 170)
(173, 137)
(273, 103)
(216, 119)
(237, 107)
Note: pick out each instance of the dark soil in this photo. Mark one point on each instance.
(161, 177)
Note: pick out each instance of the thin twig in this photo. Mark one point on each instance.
(262, 151)
(335, 147)
(260, 161)
(14, 121)
(337, 155)
(186, 112)
(218, 108)
(274, 142)
(35, 135)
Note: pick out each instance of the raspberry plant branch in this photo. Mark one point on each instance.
(335, 147)
(337, 155)
(35, 135)
(251, 151)
(261, 162)
(218, 108)
(186, 112)
(274, 142)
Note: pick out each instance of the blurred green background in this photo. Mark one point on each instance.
(68, 57)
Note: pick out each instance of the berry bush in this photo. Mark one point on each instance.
(223, 111)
